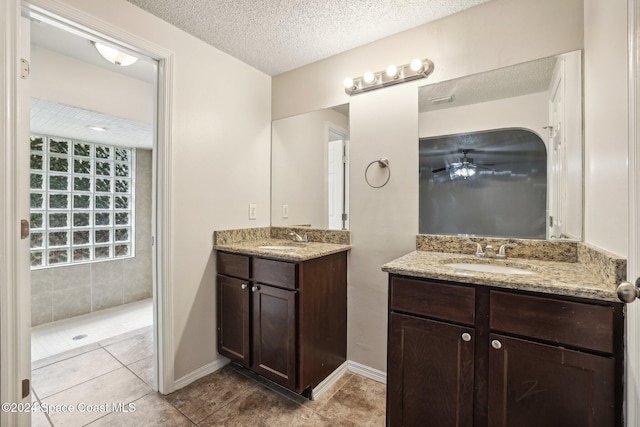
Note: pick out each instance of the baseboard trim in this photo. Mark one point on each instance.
(330, 380)
(349, 365)
(200, 372)
(367, 371)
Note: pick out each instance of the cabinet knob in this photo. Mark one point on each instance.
(243, 286)
(254, 288)
(496, 344)
(466, 337)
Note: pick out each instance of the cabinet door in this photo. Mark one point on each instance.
(274, 334)
(533, 385)
(233, 319)
(430, 373)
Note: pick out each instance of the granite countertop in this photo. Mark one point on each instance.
(300, 252)
(552, 277)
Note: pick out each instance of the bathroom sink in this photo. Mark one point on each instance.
(279, 247)
(489, 268)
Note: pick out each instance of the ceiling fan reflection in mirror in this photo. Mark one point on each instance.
(464, 168)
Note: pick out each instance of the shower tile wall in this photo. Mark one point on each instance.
(62, 292)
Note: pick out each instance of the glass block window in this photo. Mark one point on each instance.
(82, 202)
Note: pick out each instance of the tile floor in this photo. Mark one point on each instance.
(119, 370)
(57, 337)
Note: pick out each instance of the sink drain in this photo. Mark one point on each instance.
(79, 337)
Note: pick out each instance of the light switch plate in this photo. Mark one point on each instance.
(285, 211)
(253, 211)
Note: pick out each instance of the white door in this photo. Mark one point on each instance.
(335, 182)
(632, 362)
(557, 154)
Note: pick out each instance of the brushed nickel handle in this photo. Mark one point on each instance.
(496, 344)
(628, 292)
(243, 286)
(466, 337)
(254, 288)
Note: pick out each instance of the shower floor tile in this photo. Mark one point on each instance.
(69, 334)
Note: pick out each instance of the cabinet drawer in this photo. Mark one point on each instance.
(438, 300)
(277, 273)
(232, 265)
(564, 322)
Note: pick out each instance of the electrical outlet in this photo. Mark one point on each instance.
(253, 211)
(285, 211)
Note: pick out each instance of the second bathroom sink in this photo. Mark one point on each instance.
(489, 268)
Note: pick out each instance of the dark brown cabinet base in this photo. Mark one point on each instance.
(286, 321)
(435, 360)
(532, 384)
(465, 355)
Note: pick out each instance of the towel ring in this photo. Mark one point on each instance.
(384, 164)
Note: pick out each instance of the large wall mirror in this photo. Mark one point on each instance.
(309, 171)
(501, 152)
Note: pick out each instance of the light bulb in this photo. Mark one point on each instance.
(348, 83)
(369, 77)
(392, 71)
(416, 65)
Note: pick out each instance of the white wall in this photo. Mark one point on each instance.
(384, 222)
(65, 80)
(606, 122)
(299, 164)
(528, 111)
(220, 164)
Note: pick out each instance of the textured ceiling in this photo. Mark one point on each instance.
(507, 82)
(275, 36)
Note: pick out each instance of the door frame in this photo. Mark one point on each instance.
(11, 258)
(632, 375)
(11, 325)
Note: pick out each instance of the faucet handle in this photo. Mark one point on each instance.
(502, 253)
(298, 238)
(479, 252)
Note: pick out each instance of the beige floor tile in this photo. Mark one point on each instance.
(264, 407)
(37, 364)
(209, 394)
(329, 393)
(359, 402)
(108, 341)
(39, 419)
(144, 370)
(150, 411)
(117, 387)
(132, 349)
(73, 371)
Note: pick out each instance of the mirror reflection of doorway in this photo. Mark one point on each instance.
(91, 180)
(337, 178)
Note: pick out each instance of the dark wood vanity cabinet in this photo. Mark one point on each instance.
(286, 321)
(466, 355)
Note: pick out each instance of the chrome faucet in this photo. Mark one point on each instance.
(502, 253)
(479, 252)
(298, 238)
(489, 252)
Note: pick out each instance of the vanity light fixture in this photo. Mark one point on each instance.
(114, 55)
(416, 69)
